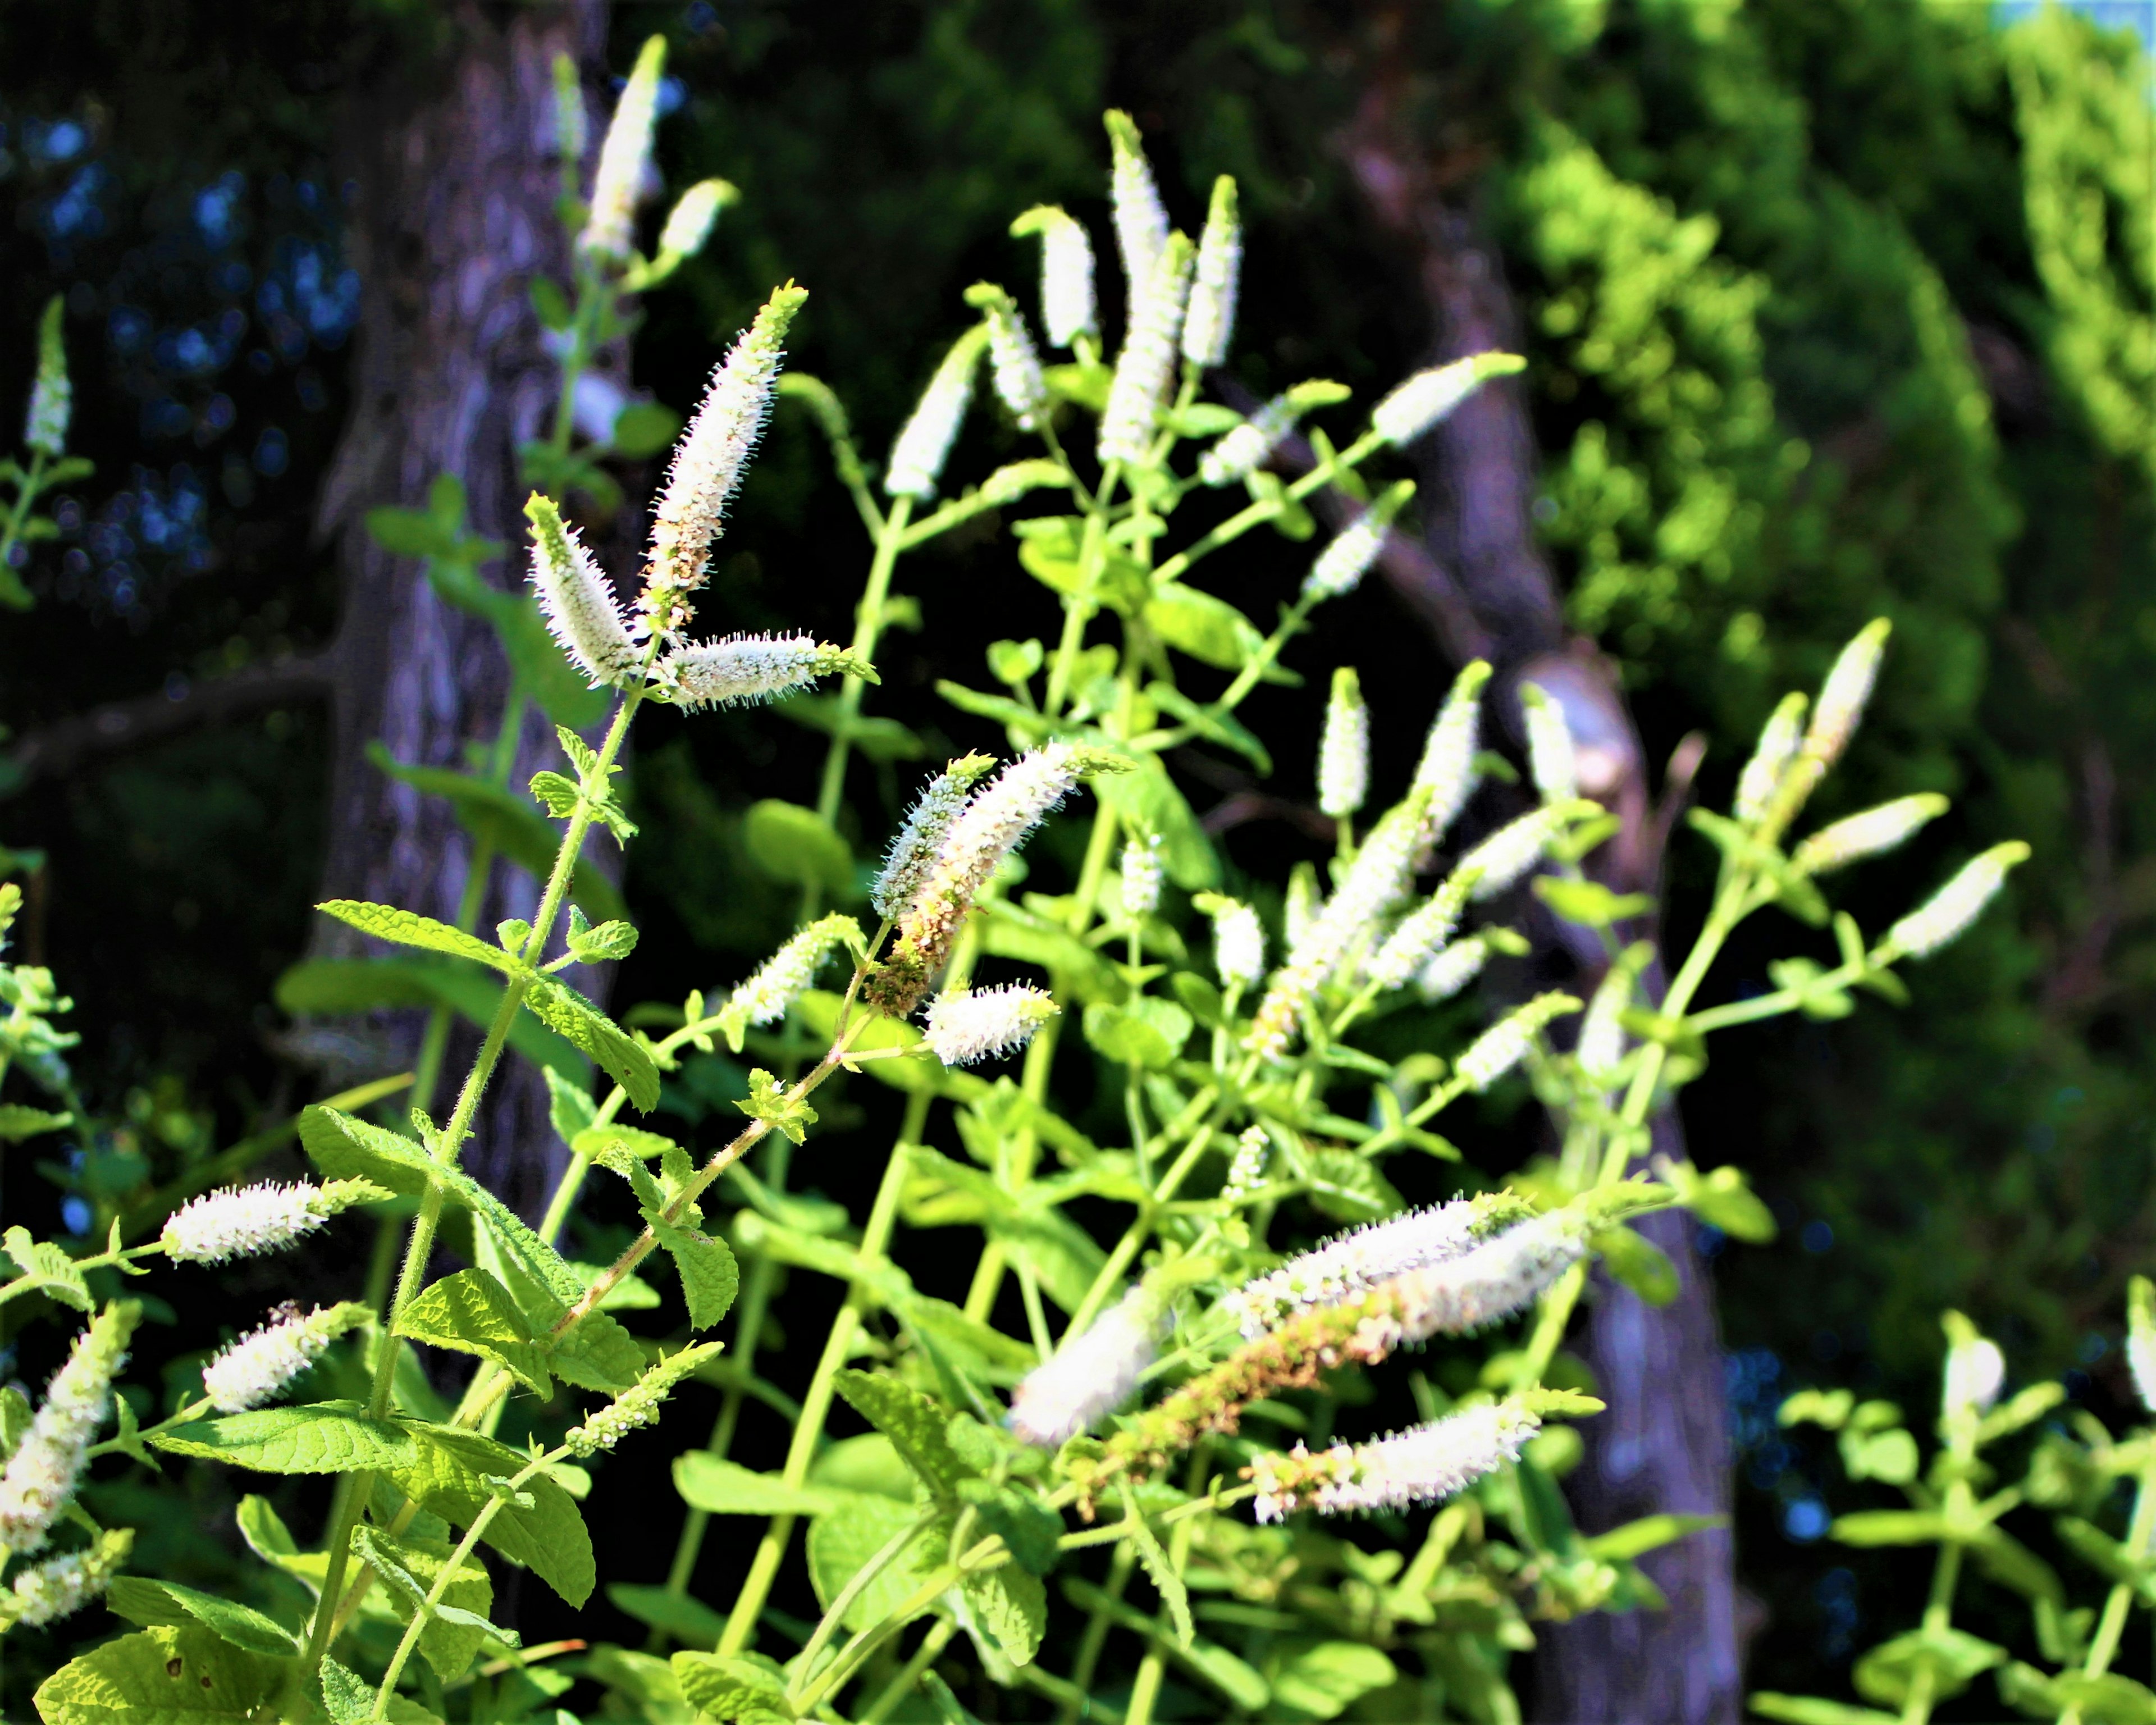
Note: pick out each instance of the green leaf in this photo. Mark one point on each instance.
(1062, 1257)
(341, 985)
(840, 1545)
(1348, 1189)
(1209, 629)
(165, 1676)
(447, 1474)
(1813, 1710)
(19, 1121)
(743, 1688)
(1888, 1673)
(599, 1354)
(1025, 1524)
(916, 1427)
(770, 1101)
(457, 1624)
(409, 928)
(599, 944)
(1891, 1526)
(797, 845)
(152, 1603)
(1155, 1562)
(1011, 1605)
(326, 1437)
(1322, 1679)
(720, 1487)
(15, 1418)
(877, 738)
(1725, 1199)
(1148, 801)
(709, 1277)
(1223, 728)
(1146, 1032)
(620, 1056)
(410, 533)
(1636, 1262)
(471, 1313)
(645, 427)
(570, 1109)
(1633, 1539)
(557, 794)
(1589, 902)
(52, 1268)
(677, 1614)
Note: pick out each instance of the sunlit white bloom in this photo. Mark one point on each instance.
(1422, 933)
(1147, 365)
(985, 1023)
(609, 228)
(42, 1473)
(1955, 904)
(638, 1405)
(1246, 1168)
(252, 1370)
(1506, 855)
(1867, 834)
(1140, 220)
(688, 223)
(1975, 1372)
(1067, 310)
(1452, 969)
(45, 1592)
(1447, 767)
(240, 1221)
(924, 443)
(1846, 693)
(1600, 1049)
(1209, 327)
(749, 668)
(576, 598)
(1502, 1047)
(1238, 940)
(1427, 396)
(1014, 362)
(1499, 1277)
(1347, 558)
(1141, 874)
(784, 977)
(1301, 906)
(1090, 1376)
(52, 396)
(918, 838)
(1419, 1465)
(1550, 758)
(1779, 739)
(1344, 748)
(1242, 451)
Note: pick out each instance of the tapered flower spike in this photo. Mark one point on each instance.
(577, 599)
(1301, 905)
(785, 976)
(1846, 693)
(1422, 933)
(639, 1405)
(1505, 1044)
(1090, 1377)
(1067, 309)
(52, 396)
(1550, 757)
(609, 229)
(1014, 362)
(688, 223)
(252, 1370)
(1779, 740)
(1246, 1168)
(709, 462)
(1502, 859)
(1419, 1465)
(41, 1474)
(1867, 834)
(1452, 969)
(915, 847)
(1428, 396)
(1447, 767)
(924, 443)
(572, 121)
(986, 1023)
(1353, 1261)
(1600, 1049)
(1140, 873)
(1242, 451)
(1947, 914)
(1238, 940)
(241, 1221)
(59, 1587)
(2141, 1339)
(1344, 748)
(1141, 221)
(751, 668)
(1209, 326)
(1147, 365)
(1342, 565)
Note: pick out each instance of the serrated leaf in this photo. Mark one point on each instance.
(1145, 1031)
(916, 1426)
(732, 1688)
(570, 1109)
(557, 795)
(1209, 629)
(471, 1313)
(408, 928)
(50, 1267)
(1025, 1524)
(1013, 1606)
(1348, 1188)
(448, 1473)
(164, 1676)
(1322, 1679)
(840, 1545)
(342, 985)
(606, 941)
(457, 1623)
(325, 1437)
(1153, 1559)
(709, 1277)
(720, 1487)
(623, 1059)
(19, 1121)
(152, 1603)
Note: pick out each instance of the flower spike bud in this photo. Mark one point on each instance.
(1447, 767)
(1090, 1376)
(785, 976)
(1238, 940)
(253, 1369)
(2141, 1338)
(1845, 693)
(626, 153)
(749, 668)
(1550, 758)
(709, 462)
(986, 1023)
(59, 1587)
(1762, 774)
(577, 599)
(1141, 221)
(1243, 450)
(1422, 935)
(638, 1405)
(1505, 1044)
(1342, 565)
(1600, 1049)
(924, 443)
(1067, 311)
(1147, 365)
(1210, 325)
(1947, 914)
(1507, 855)
(1975, 1372)
(1014, 362)
(915, 847)
(52, 396)
(42, 1473)
(1246, 1168)
(1867, 834)
(241, 1221)
(1452, 969)
(1301, 905)
(1419, 1465)
(572, 123)
(1140, 873)
(688, 223)
(1344, 748)
(1428, 396)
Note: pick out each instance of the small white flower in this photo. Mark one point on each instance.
(1779, 739)
(921, 834)
(1238, 940)
(59, 1587)
(1447, 766)
(1422, 933)
(576, 600)
(41, 1474)
(1949, 911)
(688, 223)
(924, 443)
(240, 1221)
(1066, 274)
(1506, 855)
(1846, 693)
(1429, 396)
(1347, 558)
(1505, 1044)
(1141, 874)
(1975, 1373)
(1141, 221)
(622, 159)
(1147, 365)
(1420, 1465)
(252, 1370)
(748, 668)
(1014, 362)
(784, 977)
(1090, 1376)
(1452, 969)
(1344, 748)
(1246, 1168)
(52, 396)
(1550, 758)
(986, 1023)
(1868, 833)
(1209, 327)
(637, 1405)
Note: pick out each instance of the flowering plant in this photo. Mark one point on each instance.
(1168, 1403)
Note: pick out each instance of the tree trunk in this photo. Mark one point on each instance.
(456, 184)
(1663, 1444)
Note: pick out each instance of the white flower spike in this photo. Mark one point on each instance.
(751, 668)
(1141, 221)
(1014, 362)
(576, 600)
(1420, 1465)
(42, 1473)
(1452, 969)
(1428, 396)
(1868, 833)
(924, 443)
(1141, 872)
(784, 977)
(986, 1023)
(1550, 758)
(1067, 309)
(1209, 327)
(1238, 940)
(1846, 693)
(1089, 1378)
(1505, 1044)
(1948, 913)
(52, 396)
(241, 1221)
(1502, 859)
(921, 834)
(1344, 748)
(1779, 739)
(1447, 768)
(1342, 565)
(1147, 365)
(609, 228)
(252, 1370)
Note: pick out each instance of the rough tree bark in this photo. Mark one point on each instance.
(1663, 1444)
(456, 185)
